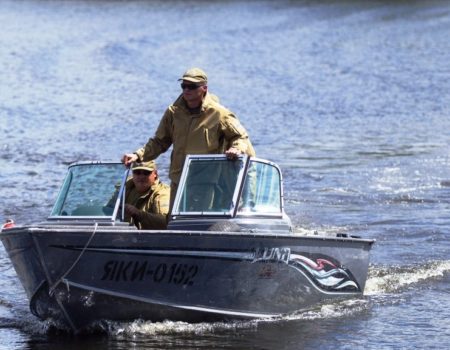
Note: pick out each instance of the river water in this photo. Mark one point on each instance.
(350, 98)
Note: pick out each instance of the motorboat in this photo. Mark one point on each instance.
(229, 251)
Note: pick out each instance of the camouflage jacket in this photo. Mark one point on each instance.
(153, 205)
(213, 130)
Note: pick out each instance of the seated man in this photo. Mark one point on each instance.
(146, 198)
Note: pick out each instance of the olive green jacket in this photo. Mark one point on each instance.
(213, 130)
(153, 205)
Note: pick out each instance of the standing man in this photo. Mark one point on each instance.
(146, 198)
(196, 123)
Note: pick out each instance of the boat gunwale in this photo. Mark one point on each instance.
(174, 233)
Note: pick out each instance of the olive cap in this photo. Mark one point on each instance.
(195, 75)
(149, 166)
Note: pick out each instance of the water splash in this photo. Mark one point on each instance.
(142, 327)
(333, 310)
(394, 279)
(146, 328)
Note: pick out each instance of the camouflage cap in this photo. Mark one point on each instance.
(149, 166)
(195, 75)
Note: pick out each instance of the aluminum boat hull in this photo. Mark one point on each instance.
(77, 274)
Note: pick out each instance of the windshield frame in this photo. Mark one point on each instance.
(230, 212)
(261, 213)
(64, 191)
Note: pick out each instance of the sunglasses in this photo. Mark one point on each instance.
(190, 86)
(141, 172)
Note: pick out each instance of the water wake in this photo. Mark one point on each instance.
(146, 328)
(142, 327)
(390, 279)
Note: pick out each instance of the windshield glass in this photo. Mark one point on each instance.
(262, 189)
(90, 190)
(209, 186)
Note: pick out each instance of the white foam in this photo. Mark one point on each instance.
(141, 327)
(130, 329)
(385, 280)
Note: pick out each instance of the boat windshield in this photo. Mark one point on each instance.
(262, 192)
(90, 190)
(213, 185)
(208, 185)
